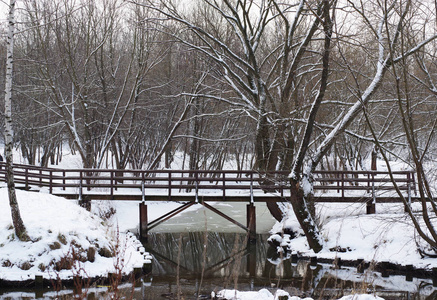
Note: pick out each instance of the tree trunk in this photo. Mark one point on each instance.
(262, 144)
(299, 200)
(20, 229)
(374, 166)
(300, 197)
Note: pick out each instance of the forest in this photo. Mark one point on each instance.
(293, 85)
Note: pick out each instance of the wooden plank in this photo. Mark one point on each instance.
(219, 198)
(174, 198)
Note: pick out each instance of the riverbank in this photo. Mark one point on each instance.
(265, 294)
(66, 242)
(350, 234)
(126, 215)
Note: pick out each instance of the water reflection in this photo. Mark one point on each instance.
(226, 260)
(185, 267)
(207, 254)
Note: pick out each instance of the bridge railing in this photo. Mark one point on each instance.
(222, 182)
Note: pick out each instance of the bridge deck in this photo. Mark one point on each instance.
(229, 198)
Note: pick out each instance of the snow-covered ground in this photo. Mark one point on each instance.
(62, 231)
(265, 294)
(388, 235)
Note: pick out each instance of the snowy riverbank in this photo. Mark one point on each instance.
(51, 220)
(66, 241)
(350, 234)
(264, 294)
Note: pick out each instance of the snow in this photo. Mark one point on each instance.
(57, 226)
(265, 294)
(388, 235)
(360, 297)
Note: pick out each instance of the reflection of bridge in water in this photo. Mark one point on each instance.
(228, 261)
(190, 187)
(227, 256)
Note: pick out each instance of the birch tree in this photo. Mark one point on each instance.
(20, 229)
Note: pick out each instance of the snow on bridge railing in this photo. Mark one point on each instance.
(112, 181)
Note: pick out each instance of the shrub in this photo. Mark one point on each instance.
(55, 246)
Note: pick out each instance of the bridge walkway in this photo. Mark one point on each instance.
(207, 186)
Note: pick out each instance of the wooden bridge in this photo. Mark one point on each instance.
(201, 186)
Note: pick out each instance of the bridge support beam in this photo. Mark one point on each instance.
(143, 222)
(251, 259)
(251, 222)
(370, 207)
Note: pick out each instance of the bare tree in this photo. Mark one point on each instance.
(282, 83)
(20, 229)
(414, 90)
(92, 66)
(388, 33)
(282, 80)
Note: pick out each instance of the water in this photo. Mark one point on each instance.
(200, 218)
(184, 265)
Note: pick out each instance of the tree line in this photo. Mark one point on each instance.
(269, 85)
(225, 80)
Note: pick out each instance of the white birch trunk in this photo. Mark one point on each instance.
(20, 229)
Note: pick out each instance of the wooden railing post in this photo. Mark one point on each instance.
(80, 185)
(88, 180)
(342, 184)
(169, 185)
(414, 183)
(368, 182)
(371, 205)
(251, 187)
(409, 191)
(63, 180)
(224, 186)
(143, 191)
(26, 176)
(40, 177)
(51, 181)
(112, 183)
(196, 176)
